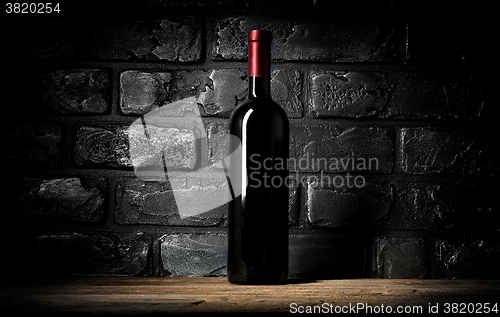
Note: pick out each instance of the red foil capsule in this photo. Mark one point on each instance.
(259, 53)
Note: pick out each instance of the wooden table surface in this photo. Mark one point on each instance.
(144, 296)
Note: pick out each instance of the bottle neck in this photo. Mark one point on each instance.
(259, 87)
(259, 65)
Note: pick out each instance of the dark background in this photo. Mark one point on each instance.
(412, 85)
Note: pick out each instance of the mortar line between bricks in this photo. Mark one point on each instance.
(394, 177)
(208, 64)
(398, 153)
(94, 120)
(307, 93)
(115, 93)
(67, 146)
(415, 234)
(402, 177)
(209, 37)
(157, 231)
(110, 215)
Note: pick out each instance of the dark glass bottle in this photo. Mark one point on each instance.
(258, 218)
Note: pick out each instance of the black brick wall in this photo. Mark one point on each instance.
(412, 86)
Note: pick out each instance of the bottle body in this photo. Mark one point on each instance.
(258, 218)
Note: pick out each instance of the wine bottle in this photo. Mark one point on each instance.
(258, 217)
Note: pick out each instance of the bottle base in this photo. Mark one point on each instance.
(236, 277)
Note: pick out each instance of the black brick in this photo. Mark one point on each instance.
(53, 39)
(445, 207)
(141, 92)
(449, 151)
(286, 90)
(338, 202)
(433, 95)
(321, 256)
(32, 145)
(402, 258)
(111, 146)
(178, 40)
(466, 259)
(228, 88)
(194, 254)
(101, 254)
(307, 40)
(349, 94)
(101, 146)
(218, 142)
(77, 90)
(293, 202)
(153, 202)
(329, 148)
(175, 39)
(449, 40)
(397, 95)
(55, 200)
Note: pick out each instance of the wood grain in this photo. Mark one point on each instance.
(144, 296)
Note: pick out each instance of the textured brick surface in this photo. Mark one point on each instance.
(77, 91)
(217, 92)
(229, 87)
(109, 169)
(178, 40)
(96, 145)
(194, 254)
(169, 39)
(163, 147)
(325, 256)
(307, 40)
(140, 202)
(286, 90)
(218, 142)
(465, 259)
(110, 146)
(336, 202)
(448, 151)
(445, 207)
(349, 94)
(402, 258)
(27, 145)
(101, 254)
(53, 39)
(396, 95)
(436, 95)
(141, 92)
(332, 149)
(294, 201)
(58, 199)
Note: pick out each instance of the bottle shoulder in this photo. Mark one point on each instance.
(259, 106)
